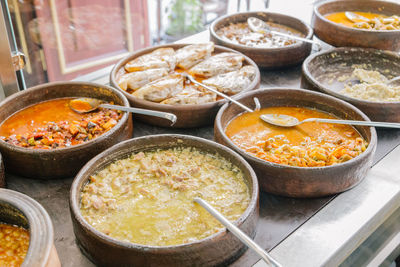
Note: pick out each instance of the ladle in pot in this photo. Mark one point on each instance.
(290, 121)
(85, 105)
(237, 232)
(258, 25)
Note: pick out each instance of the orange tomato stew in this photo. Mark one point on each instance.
(52, 124)
(307, 145)
(14, 244)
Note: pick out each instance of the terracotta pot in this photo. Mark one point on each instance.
(2, 176)
(189, 116)
(301, 181)
(268, 58)
(19, 209)
(219, 248)
(61, 162)
(339, 63)
(340, 35)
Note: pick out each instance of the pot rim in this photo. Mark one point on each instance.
(218, 127)
(168, 107)
(76, 191)
(239, 47)
(341, 50)
(345, 28)
(41, 232)
(77, 147)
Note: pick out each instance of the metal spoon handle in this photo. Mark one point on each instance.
(237, 232)
(218, 93)
(296, 38)
(164, 115)
(350, 122)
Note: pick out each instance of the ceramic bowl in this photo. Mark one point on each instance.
(217, 249)
(61, 162)
(21, 210)
(324, 71)
(189, 116)
(301, 181)
(268, 58)
(339, 35)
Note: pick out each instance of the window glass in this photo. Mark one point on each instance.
(65, 39)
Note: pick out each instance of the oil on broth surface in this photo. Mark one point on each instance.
(148, 198)
(307, 145)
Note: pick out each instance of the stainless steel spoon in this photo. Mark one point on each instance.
(93, 104)
(190, 77)
(289, 121)
(258, 25)
(355, 17)
(237, 232)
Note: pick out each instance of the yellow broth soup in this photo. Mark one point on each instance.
(147, 198)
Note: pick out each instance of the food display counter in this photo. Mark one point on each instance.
(357, 226)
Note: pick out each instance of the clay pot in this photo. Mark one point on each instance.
(338, 63)
(301, 181)
(189, 116)
(219, 248)
(61, 162)
(340, 35)
(21, 210)
(268, 58)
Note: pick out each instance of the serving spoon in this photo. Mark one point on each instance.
(258, 25)
(237, 232)
(290, 121)
(355, 17)
(193, 80)
(85, 105)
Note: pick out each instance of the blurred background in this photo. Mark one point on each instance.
(64, 39)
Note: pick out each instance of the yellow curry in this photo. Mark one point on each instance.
(147, 198)
(307, 145)
(372, 21)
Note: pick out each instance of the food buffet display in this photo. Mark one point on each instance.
(131, 201)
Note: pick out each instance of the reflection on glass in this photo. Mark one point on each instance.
(64, 39)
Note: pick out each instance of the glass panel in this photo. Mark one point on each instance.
(8, 77)
(65, 39)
